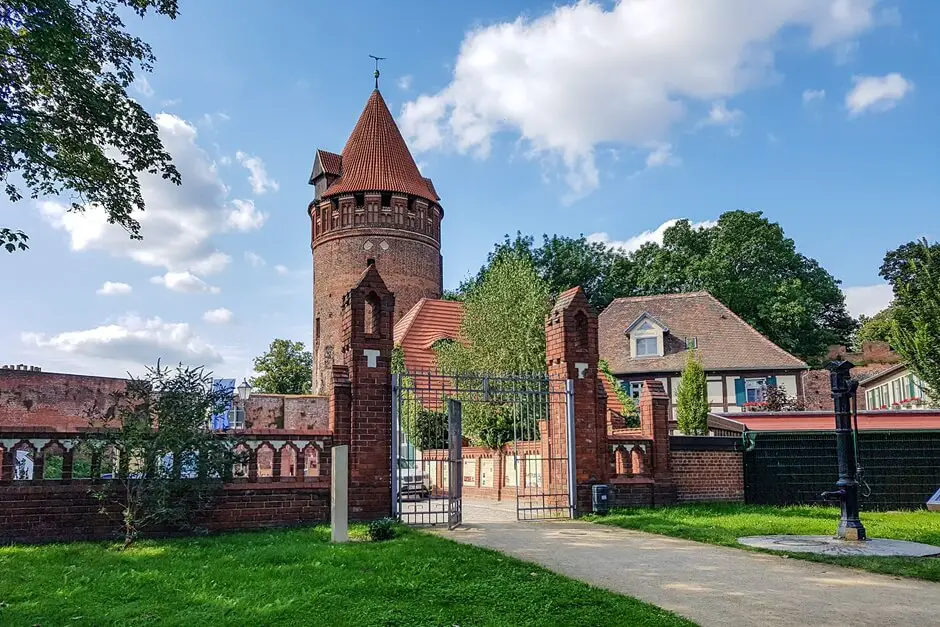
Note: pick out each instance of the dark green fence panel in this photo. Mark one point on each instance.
(902, 468)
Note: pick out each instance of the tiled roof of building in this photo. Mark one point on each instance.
(376, 158)
(331, 162)
(724, 341)
(427, 322)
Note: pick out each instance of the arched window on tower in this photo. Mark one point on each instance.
(373, 317)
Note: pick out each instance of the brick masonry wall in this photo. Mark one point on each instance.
(50, 399)
(287, 411)
(707, 469)
(50, 512)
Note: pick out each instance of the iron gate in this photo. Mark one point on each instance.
(529, 419)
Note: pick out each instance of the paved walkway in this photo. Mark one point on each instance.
(708, 584)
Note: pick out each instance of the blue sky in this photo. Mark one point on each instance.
(607, 119)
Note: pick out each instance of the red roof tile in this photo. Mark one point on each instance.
(428, 321)
(376, 158)
(724, 341)
(331, 162)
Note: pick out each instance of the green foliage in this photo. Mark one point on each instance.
(67, 124)
(428, 429)
(492, 425)
(692, 398)
(631, 413)
(877, 328)
(285, 369)
(266, 578)
(745, 261)
(167, 475)
(503, 327)
(914, 271)
(382, 529)
(776, 399)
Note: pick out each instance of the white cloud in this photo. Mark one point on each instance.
(180, 223)
(660, 155)
(280, 269)
(209, 120)
(721, 115)
(184, 282)
(254, 259)
(142, 86)
(595, 73)
(218, 316)
(111, 288)
(170, 102)
(811, 95)
(257, 174)
(868, 299)
(132, 339)
(876, 93)
(404, 82)
(244, 217)
(632, 244)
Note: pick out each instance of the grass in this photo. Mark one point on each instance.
(725, 523)
(297, 577)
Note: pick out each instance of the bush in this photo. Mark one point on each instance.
(382, 529)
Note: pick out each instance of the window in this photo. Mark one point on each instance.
(755, 390)
(647, 346)
(635, 388)
(691, 343)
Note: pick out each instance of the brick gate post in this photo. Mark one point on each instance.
(571, 353)
(368, 314)
(654, 422)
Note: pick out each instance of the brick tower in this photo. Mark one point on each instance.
(370, 205)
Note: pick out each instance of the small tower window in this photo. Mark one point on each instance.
(360, 199)
(386, 199)
(373, 314)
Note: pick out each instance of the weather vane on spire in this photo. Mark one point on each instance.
(376, 73)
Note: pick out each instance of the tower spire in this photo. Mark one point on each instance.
(376, 74)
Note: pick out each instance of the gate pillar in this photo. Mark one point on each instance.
(571, 353)
(368, 312)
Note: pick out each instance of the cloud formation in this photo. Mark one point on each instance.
(876, 94)
(811, 95)
(132, 339)
(218, 316)
(112, 288)
(258, 177)
(184, 282)
(181, 223)
(634, 243)
(868, 299)
(590, 73)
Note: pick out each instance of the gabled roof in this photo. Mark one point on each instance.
(428, 321)
(724, 341)
(376, 158)
(330, 162)
(647, 316)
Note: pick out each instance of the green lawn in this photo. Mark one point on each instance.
(296, 577)
(724, 524)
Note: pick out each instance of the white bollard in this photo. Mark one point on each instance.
(339, 495)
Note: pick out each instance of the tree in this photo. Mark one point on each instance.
(503, 332)
(285, 369)
(166, 464)
(776, 399)
(67, 124)
(748, 264)
(914, 272)
(692, 398)
(877, 328)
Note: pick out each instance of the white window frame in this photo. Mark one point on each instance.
(758, 386)
(655, 352)
(236, 418)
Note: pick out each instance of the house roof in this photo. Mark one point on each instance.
(724, 341)
(376, 158)
(330, 162)
(428, 321)
(874, 377)
(825, 421)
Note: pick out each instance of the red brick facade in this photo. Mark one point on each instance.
(49, 399)
(707, 469)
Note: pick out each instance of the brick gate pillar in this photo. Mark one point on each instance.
(361, 404)
(654, 422)
(571, 353)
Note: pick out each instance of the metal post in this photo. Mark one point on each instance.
(570, 442)
(396, 442)
(850, 526)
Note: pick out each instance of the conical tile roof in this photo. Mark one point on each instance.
(376, 158)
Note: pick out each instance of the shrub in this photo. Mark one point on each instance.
(382, 529)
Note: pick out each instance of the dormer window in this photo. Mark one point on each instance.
(647, 347)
